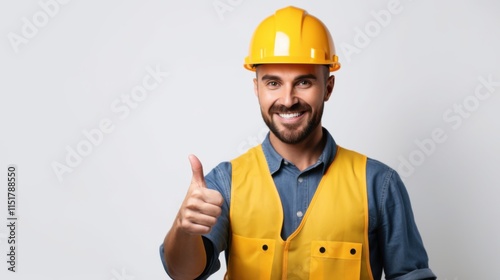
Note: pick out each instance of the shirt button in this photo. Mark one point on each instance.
(300, 214)
(285, 162)
(301, 179)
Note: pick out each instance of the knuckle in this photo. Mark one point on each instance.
(205, 230)
(218, 212)
(184, 224)
(213, 221)
(221, 201)
(196, 193)
(192, 203)
(188, 216)
(189, 204)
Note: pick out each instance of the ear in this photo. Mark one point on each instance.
(330, 82)
(255, 87)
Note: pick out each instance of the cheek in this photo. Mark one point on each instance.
(314, 101)
(266, 101)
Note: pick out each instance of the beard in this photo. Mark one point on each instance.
(293, 133)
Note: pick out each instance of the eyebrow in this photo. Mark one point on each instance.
(301, 77)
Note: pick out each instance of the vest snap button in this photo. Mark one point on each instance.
(353, 251)
(264, 247)
(322, 250)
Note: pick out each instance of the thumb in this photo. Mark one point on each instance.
(197, 168)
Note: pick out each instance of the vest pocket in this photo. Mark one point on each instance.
(250, 258)
(335, 260)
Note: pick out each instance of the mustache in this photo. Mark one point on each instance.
(297, 107)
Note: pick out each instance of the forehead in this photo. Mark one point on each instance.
(289, 70)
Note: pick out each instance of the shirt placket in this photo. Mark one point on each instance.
(302, 198)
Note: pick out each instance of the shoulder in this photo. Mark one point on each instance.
(376, 169)
(219, 179)
(382, 178)
(386, 190)
(220, 174)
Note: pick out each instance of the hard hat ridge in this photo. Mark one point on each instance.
(291, 36)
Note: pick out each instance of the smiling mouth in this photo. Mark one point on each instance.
(290, 115)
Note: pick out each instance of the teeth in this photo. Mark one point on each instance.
(289, 116)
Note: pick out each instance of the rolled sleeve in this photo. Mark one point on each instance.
(212, 263)
(419, 274)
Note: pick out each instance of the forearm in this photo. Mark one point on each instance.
(184, 254)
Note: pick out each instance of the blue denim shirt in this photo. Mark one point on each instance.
(395, 243)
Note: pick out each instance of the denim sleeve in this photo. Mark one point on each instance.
(400, 248)
(216, 241)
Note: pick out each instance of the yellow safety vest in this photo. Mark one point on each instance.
(330, 243)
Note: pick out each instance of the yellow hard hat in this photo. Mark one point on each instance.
(291, 36)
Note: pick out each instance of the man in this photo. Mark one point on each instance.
(297, 206)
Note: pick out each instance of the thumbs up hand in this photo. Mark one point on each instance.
(201, 206)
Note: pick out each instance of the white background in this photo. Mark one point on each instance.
(106, 218)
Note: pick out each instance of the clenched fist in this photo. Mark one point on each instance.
(202, 206)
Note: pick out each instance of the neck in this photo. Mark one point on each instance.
(303, 154)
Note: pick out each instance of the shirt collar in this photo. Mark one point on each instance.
(275, 160)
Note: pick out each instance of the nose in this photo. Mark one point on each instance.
(288, 98)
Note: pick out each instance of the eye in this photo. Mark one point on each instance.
(272, 84)
(304, 83)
